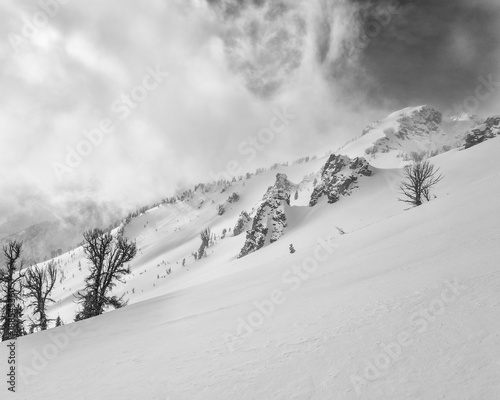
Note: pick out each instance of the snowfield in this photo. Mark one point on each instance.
(404, 305)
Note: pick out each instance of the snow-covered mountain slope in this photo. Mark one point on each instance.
(410, 132)
(404, 305)
(169, 233)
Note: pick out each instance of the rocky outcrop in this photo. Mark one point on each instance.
(361, 166)
(270, 218)
(493, 122)
(338, 177)
(488, 130)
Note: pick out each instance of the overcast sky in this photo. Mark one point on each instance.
(180, 87)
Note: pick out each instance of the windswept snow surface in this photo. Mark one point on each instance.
(404, 305)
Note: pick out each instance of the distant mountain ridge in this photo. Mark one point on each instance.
(49, 239)
(413, 132)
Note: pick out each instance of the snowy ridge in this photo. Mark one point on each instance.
(409, 133)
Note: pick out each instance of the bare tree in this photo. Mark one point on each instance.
(10, 285)
(420, 177)
(39, 283)
(107, 257)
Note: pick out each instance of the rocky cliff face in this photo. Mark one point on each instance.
(270, 218)
(339, 175)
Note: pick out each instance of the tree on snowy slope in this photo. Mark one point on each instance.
(18, 328)
(221, 209)
(420, 177)
(205, 242)
(205, 236)
(39, 283)
(241, 224)
(10, 288)
(107, 257)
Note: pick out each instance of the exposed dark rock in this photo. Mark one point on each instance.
(488, 130)
(493, 121)
(270, 217)
(339, 175)
(360, 164)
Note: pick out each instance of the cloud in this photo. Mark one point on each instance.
(231, 64)
(433, 52)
